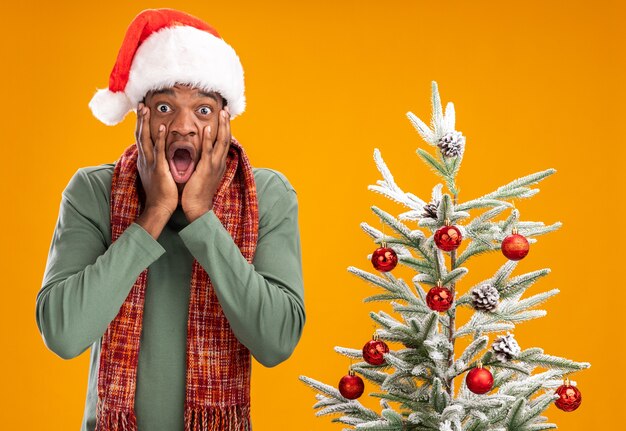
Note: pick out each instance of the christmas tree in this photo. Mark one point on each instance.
(416, 382)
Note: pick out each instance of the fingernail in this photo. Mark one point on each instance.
(223, 114)
(227, 110)
(161, 128)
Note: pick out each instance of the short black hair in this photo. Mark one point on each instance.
(143, 100)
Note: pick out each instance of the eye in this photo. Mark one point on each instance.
(163, 108)
(204, 110)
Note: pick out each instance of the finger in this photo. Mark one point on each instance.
(146, 139)
(223, 137)
(138, 130)
(159, 148)
(207, 140)
(228, 136)
(138, 124)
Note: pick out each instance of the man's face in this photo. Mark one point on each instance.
(185, 111)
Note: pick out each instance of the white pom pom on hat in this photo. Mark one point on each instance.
(109, 107)
(163, 47)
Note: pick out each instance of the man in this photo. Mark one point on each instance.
(179, 260)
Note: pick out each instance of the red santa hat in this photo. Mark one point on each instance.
(163, 47)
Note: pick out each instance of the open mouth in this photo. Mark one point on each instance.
(181, 162)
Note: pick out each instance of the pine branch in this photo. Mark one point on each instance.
(399, 380)
(388, 188)
(449, 117)
(521, 283)
(535, 356)
(519, 387)
(385, 320)
(522, 316)
(392, 222)
(429, 328)
(503, 274)
(437, 116)
(408, 311)
(404, 400)
(475, 249)
(484, 322)
(540, 427)
(454, 276)
(420, 265)
(439, 398)
(398, 363)
(537, 407)
(380, 425)
(350, 407)
(537, 231)
(324, 401)
(508, 306)
(350, 353)
(335, 402)
(377, 377)
(379, 238)
(421, 293)
(515, 416)
(510, 366)
(348, 420)
(371, 278)
(488, 215)
(472, 350)
(517, 188)
(502, 376)
(507, 226)
(421, 127)
(432, 163)
(481, 203)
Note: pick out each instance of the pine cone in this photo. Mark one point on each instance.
(505, 347)
(485, 297)
(430, 210)
(452, 144)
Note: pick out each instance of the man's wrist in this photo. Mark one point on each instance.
(153, 220)
(195, 213)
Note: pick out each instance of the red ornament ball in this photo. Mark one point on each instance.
(479, 380)
(570, 398)
(515, 247)
(373, 352)
(448, 238)
(384, 259)
(351, 386)
(439, 298)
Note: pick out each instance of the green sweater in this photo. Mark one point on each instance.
(87, 279)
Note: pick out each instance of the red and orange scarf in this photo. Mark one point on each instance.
(218, 379)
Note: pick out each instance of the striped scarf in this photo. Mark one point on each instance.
(218, 365)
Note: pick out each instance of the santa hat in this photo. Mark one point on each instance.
(163, 47)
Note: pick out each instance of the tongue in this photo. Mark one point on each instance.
(182, 160)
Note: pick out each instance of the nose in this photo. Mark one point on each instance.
(183, 123)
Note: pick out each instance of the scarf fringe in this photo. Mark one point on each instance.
(229, 418)
(112, 420)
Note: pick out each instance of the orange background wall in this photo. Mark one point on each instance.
(536, 85)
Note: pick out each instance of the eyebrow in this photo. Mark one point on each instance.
(170, 92)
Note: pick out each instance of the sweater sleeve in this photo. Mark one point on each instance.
(85, 282)
(263, 301)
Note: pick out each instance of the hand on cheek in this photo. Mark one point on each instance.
(199, 191)
(152, 167)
